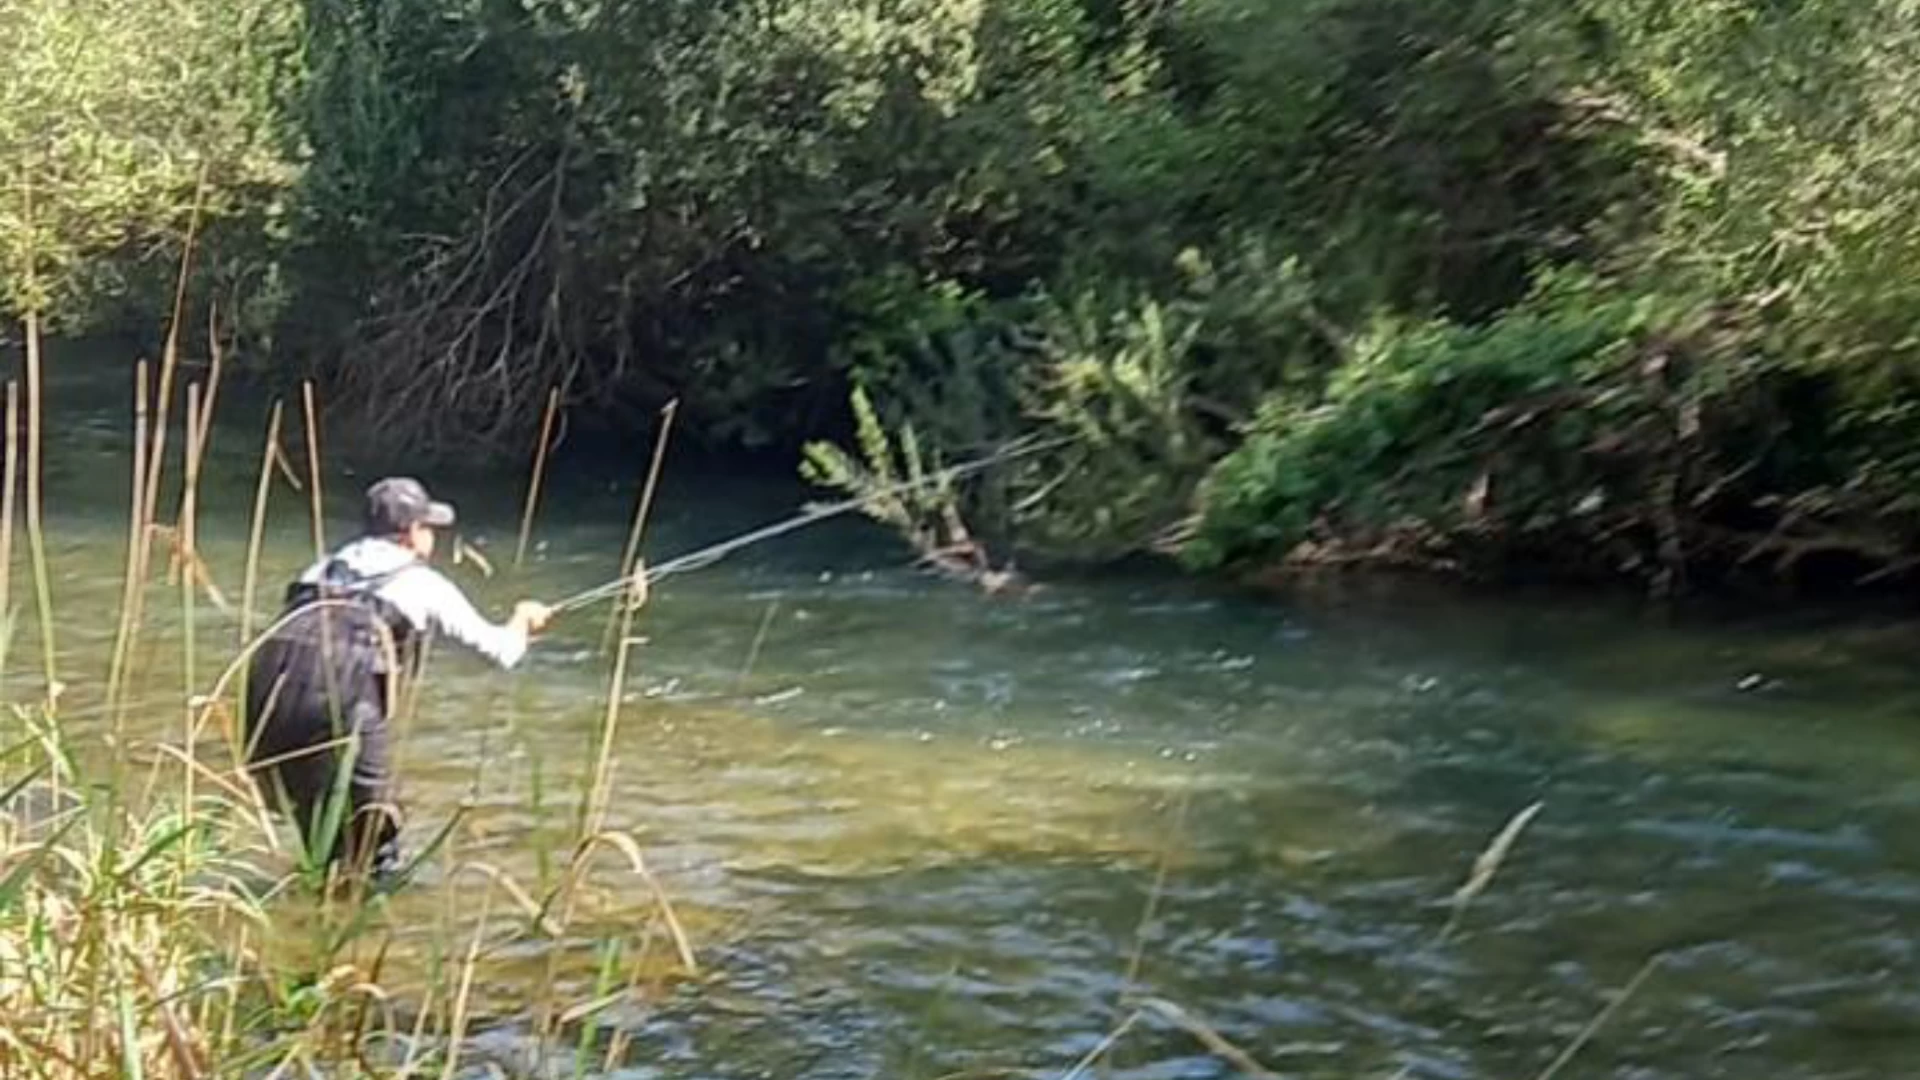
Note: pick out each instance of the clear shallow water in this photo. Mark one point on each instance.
(917, 838)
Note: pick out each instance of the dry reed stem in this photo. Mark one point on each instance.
(36, 532)
(592, 808)
(619, 1041)
(753, 650)
(418, 1035)
(313, 470)
(629, 847)
(135, 535)
(457, 1021)
(535, 912)
(414, 690)
(582, 1010)
(284, 464)
(630, 555)
(1210, 1038)
(1593, 1027)
(594, 811)
(170, 352)
(1152, 909)
(244, 794)
(218, 355)
(1486, 866)
(464, 552)
(235, 962)
(1102, 1047)
(374, 994)
(617, 1047)
(538, 476)
(199, 433)
(182, 1045)
(9, 490)
(163, 400)
(198, 572)
(258, 530)
(1215, 1042)
(32, 322)
(122, 642)
(189, 513)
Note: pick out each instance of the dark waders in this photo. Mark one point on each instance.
(319, 696)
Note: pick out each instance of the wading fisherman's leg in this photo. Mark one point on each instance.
(291, 751)
(301, 737)
(373, 830)
(344, 799)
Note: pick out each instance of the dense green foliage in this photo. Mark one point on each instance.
(117, 118)
(1579, 425)
(1620, 285)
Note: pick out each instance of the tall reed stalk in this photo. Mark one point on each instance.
(1130, 984)
(269, 454)
(36, 526)
(538, 475)
(9, 492)
(458, 1017)
(313, 471)
(623, 615)
(156, 454)
(189, 562)
(630, 555)
(591, 822)
(759, 639)
(130, 587)
(203, 432)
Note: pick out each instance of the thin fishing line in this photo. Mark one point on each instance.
(707, 556)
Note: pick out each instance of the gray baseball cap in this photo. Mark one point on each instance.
(398, 503)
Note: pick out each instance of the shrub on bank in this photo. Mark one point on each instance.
(1591, 429)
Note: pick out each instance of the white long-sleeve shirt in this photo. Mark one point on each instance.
(429, 602)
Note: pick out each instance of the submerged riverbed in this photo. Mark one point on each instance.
(914, 831)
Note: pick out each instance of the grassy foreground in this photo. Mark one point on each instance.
(142, 934)
(156, 920)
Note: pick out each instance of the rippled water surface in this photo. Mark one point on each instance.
(918, 835)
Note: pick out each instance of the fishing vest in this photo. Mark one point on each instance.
(360, 627)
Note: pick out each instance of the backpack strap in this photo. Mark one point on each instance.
(337, 580)
(340, 582)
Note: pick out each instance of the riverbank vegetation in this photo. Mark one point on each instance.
(1608, 287)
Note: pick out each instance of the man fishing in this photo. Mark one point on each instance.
(322, 688)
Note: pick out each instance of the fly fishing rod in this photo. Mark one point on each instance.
(707, 556)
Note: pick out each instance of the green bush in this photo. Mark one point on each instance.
(116, 119)
(1586, 423)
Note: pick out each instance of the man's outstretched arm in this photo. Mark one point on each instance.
(429, 599)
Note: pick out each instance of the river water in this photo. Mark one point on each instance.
(920, 834)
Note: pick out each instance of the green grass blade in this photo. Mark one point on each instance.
(15, 882)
